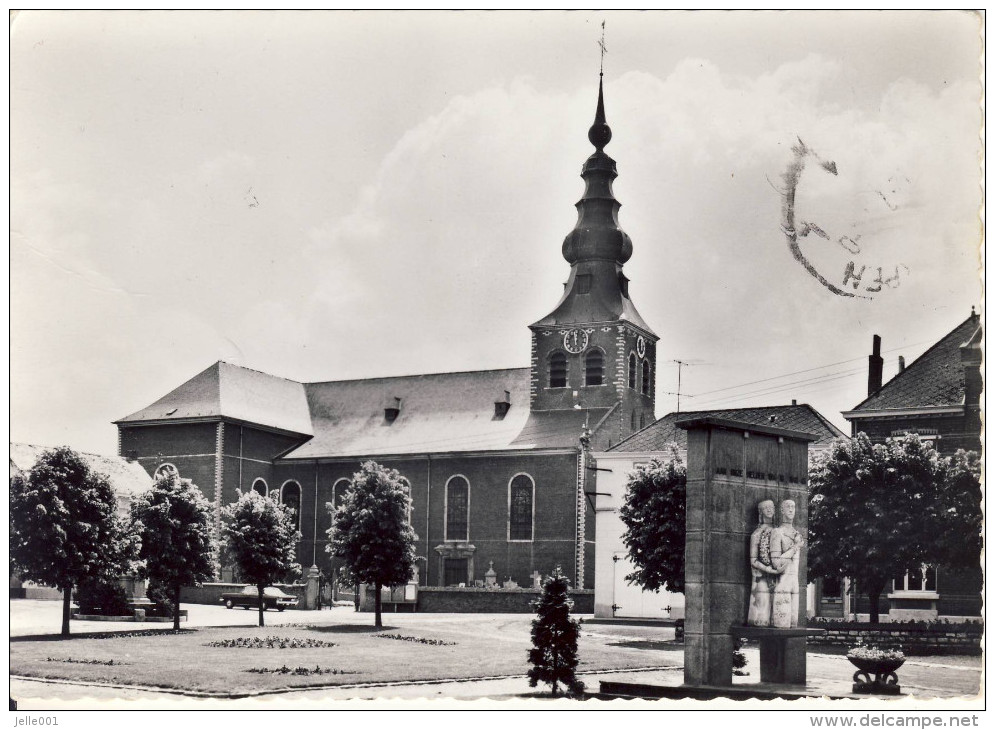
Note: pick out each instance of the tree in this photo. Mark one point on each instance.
(260, 537)
(553, 655)
(371, 532)
(961, 511)
(173, 522)
(653, 515)
(876, 511)
(64, 526)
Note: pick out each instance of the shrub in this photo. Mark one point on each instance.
(959, 627)
(739, 658)
(106, 598)
(162, 602)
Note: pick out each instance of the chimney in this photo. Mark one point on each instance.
(794, 402)
(875, 368)
(901, 364)
(392, 410)
(502, 405)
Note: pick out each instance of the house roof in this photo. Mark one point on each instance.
(935, 378)
(229, 391)
(664, 432)
(444, 412)
(127, 478)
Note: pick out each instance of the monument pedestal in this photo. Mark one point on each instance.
(782, 652)
(733, 469)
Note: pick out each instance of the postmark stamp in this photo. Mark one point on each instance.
(850, 272)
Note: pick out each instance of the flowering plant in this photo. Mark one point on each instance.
(872, 653)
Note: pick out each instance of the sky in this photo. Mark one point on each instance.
(337, 195)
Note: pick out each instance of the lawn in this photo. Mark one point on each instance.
(203, 660)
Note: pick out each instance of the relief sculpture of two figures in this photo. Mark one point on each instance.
(774, 558)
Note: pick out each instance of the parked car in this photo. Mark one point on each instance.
(248, 597)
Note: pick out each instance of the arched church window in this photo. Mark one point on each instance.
(521, 494)
(457, 509)
(634, 420)
(558, 370)
(339, 491)
(259, 486)
(632, 370)
(646, 377)
(166, 471)
(594, 368)
(290, 495)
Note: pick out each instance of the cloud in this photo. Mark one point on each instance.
(441, 255)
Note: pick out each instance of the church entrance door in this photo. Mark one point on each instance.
(456, 571)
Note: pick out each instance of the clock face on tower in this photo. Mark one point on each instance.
(641, 346)
(575, 340)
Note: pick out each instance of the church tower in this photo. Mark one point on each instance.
(594, 350)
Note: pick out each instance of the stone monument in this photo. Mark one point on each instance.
(738, 575)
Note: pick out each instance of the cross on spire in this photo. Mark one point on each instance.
(604, 50)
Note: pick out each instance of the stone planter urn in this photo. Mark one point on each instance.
(884, 681)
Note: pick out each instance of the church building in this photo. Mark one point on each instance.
(497, 460)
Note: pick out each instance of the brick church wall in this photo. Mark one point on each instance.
(188, 447)
(489, 477)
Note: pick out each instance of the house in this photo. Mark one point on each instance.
(127, 478)
(938, 397)
(613, 595)
(495, 459)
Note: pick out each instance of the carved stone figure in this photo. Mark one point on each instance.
(765, 575)
(785, 553)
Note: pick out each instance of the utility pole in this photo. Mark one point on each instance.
(680, 364)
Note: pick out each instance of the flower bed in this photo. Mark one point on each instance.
(416, 639)
(297, 671)
(270, 642)
(70, 660)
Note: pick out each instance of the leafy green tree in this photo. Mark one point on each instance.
(64, 526)
(961, 511)
(553, 655)
(173, 522)
(876, 511)
(654, 515)
(260, 538)
(371, 531)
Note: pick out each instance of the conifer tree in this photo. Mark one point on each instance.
(554, 638)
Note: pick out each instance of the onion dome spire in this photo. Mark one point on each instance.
(596, 248)
(597, 235)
